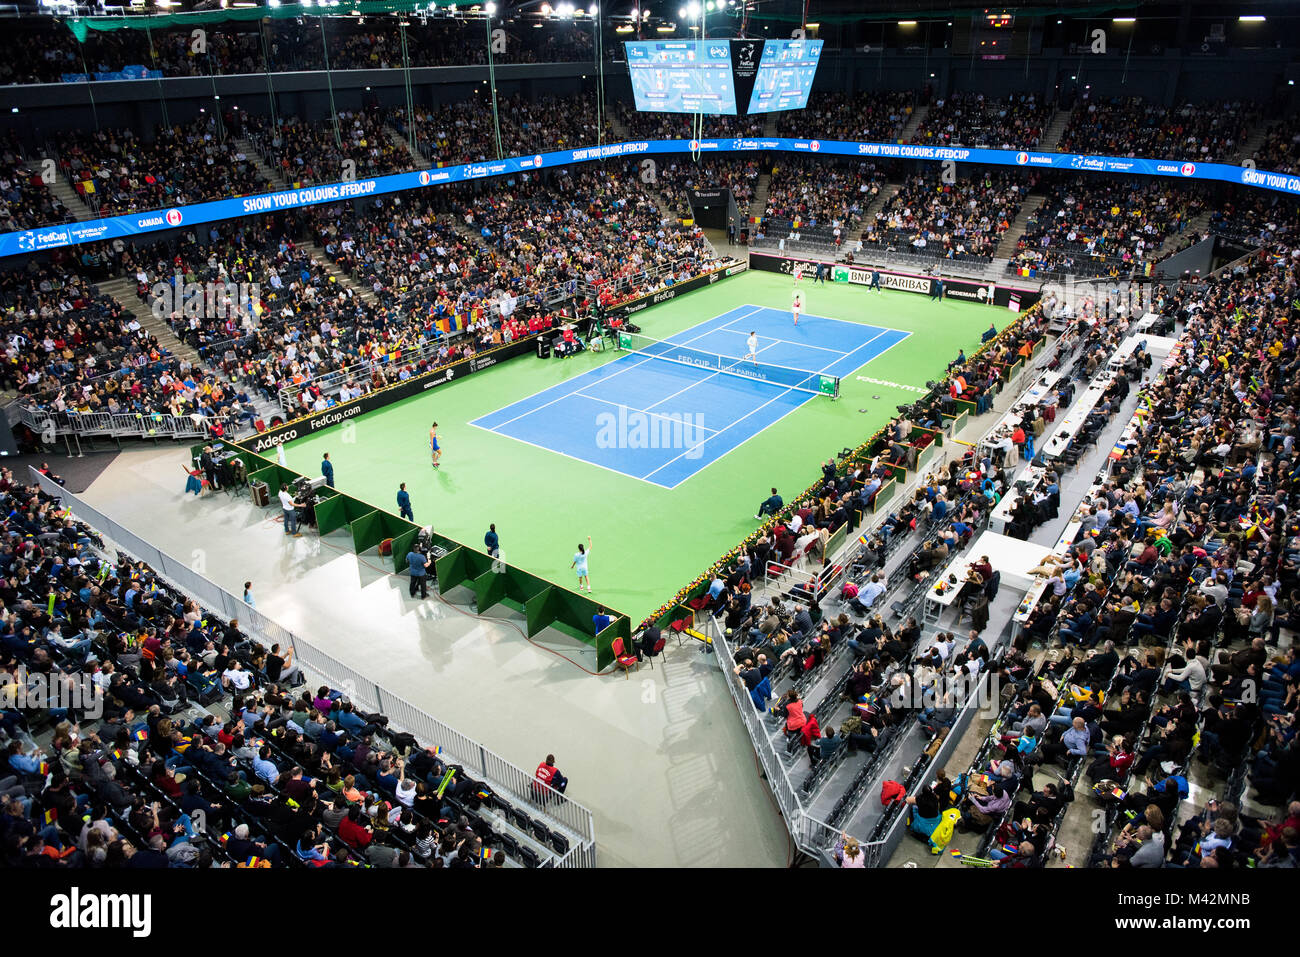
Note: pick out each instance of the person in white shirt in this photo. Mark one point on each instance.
(290, 508)
(236, 677)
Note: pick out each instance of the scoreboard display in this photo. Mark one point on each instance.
(682, 76)
(785, 75)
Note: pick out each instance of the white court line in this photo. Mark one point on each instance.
(646, 477)
(515, 438)
(802, 345)
(632, 408)
(630, 366)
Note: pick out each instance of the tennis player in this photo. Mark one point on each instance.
(435, 450)
(752, 344)
(580, 565)
(798, 272)
(796, 306)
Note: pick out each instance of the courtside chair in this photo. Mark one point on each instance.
(656, 651)
(622, 659)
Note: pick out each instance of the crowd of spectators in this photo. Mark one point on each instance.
(71, 349)
(973, 119)
(818, 195)
(676, 177)
(174, 739)
(962, 220)
(680, 126)
(1280, 151)
(116, 171)
(48, 50)
(870, 117)
(24, 199)
(1131, 126)
(325, 151)
(1094, 226)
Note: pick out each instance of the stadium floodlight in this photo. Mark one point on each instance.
(491, 8)
(272, 3)
(907, 23)
(593, 10)
(1251, 19)
(1123, 19)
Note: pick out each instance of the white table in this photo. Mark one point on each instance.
(1146, 322)
(1001, 516)
(1010, 557)
(1078, 413)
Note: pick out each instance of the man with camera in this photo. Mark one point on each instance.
(290, 506)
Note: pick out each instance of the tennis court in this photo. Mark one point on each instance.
(668, 408)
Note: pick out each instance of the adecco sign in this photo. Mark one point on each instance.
(319, 421)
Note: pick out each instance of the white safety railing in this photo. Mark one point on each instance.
(561, 813)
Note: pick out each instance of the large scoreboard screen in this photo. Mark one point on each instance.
(785, 75)
(682, 76)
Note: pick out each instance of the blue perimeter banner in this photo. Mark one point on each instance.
(135, 224)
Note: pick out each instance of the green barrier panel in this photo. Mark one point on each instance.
(837, 539)
(883, 495)
(924, 456)
(401, 548)
(367, 532)
(402, 534)
(958, 421)
(331, 514)
(489, 589)
(267, 475)
(536, 613)
(521, 587)
(340, 510)
(451, 569)
(620, 627)
(966, 406)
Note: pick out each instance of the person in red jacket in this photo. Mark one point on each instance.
(353, 832)
(548, 774)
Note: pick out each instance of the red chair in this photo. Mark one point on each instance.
(622, 660)
(679, 627)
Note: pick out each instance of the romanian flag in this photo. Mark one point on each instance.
(484, 855)
(1117, 452)
(51, 815)
(225, 837)
(862, 539)
(437, 750)
(443, 324)
(483, 793)
(142, 735)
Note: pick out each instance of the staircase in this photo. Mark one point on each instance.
(1252, 144)
(758, 206)
(621, 134)
(62, 190)
(1054, 131)
(259, 164)
(1007, 244)
(342, 278)
(1198, 227)
(887, 192)
(913, 123)
(769, 125)
(418, 159)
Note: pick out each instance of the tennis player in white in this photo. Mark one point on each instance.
(752, 344)
(796, 307)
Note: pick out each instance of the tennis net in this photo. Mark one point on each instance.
(818, 383)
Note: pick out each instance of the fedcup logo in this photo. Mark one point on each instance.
(815, 145)
(1022, 158)
(1188, 169)
(37, 691)
(174, 217)
(634, 429)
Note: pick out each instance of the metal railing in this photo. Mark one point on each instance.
(50, 425)
(507, 780)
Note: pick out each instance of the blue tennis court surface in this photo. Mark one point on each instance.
(661, 421)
